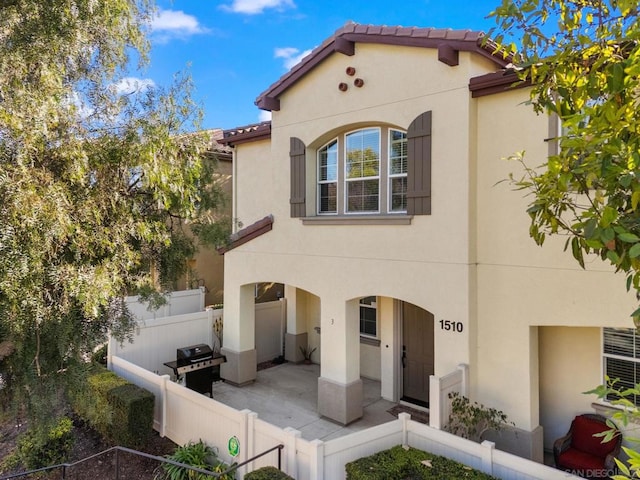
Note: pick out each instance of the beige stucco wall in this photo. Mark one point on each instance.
(520, 285)
(253, 187)
(470, 261)
(426, 263)
(568, 368)
(207, 267)
(370, 361)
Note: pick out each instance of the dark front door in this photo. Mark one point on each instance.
(417, 354)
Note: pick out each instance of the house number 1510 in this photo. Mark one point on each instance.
(451, 326)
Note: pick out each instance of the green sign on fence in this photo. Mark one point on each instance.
(234, 446)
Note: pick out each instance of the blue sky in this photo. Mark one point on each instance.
(235, 49)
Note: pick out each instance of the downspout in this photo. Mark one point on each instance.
(234, 190)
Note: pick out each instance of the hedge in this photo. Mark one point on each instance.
(267, 473)
(120, 411)
(399, 463)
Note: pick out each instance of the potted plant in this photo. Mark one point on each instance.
(306, 353)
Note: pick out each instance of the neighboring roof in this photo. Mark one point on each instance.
(249, 233)
(222, 151)
(496, 82)
(248, 133)
(216, 145)
(448, 42)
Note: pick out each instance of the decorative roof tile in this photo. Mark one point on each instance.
(247, 234)
(247, 133)
(458, 40)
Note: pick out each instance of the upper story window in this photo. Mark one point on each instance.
(397, 171)
(364, 174)
(328, 178)
(355, 177)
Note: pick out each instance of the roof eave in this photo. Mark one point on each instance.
(344, 42)
(253, 133)
(496, 82)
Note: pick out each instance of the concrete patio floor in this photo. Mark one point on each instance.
(286, 396)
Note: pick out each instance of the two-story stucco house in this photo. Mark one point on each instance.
(374, 195)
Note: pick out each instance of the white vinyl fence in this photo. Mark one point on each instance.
(184, 415)
(439, 390)
(270, 320)
(178, 303)
(155, 340)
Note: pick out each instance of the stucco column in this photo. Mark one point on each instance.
(339, 386)
(239, 336)
(296, 335)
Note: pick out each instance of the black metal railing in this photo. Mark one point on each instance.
(63, 467)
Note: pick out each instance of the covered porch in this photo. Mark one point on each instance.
(286, 395)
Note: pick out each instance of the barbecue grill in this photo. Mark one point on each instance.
(200, 366)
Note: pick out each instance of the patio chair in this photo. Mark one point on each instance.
(582, 453)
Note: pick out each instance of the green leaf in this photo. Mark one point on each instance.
(634, 251)
(609, 215)
(629, 237)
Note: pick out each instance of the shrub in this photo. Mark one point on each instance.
(399, 463)
(120, 411)
(267, 473)
(132, 417)
(195, 454)
(43, 447)
(472, 420)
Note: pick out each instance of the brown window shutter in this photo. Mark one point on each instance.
(419, 165)
(298, 181)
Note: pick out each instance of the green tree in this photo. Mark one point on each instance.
(96, 186)
(582, 58)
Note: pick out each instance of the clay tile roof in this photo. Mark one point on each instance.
(344, 39)
(256, 131)
(247, 234)
(215, 136)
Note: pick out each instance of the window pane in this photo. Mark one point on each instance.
(363, 196)
(627, 374)
(363, 153)
(328, 162)
(327, 176)
(620, 341)
(398, 194)
(397, 152)
(371, 301)
(328, 198)
(368, 316)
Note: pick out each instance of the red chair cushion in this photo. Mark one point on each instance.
(582, 437)
(573, 459)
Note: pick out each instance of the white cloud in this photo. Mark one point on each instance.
(130, 85)
(169, 24)
(264, 116)
(290, 55)
(81, 106)
(253, 7)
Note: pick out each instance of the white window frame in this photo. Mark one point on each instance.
(361, 179)
(623, 358)
(391, 176)
(374, 306)
(325, 182)
(383, 178)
